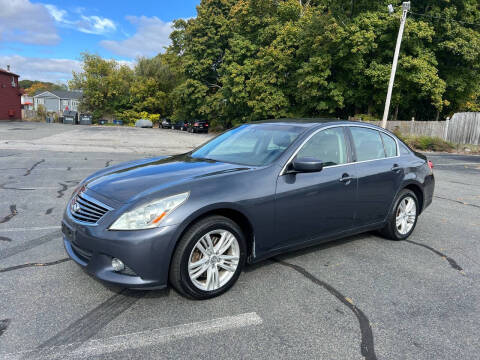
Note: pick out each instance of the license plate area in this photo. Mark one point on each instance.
(68, 231)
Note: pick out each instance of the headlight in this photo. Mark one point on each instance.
(149, 215)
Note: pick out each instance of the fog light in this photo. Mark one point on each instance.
(117, 264)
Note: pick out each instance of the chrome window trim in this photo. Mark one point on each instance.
(282, 172)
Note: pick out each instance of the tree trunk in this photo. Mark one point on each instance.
(395, 117)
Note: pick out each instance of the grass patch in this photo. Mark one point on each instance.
(427, 143)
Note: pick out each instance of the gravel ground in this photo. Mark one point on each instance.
(360, 297)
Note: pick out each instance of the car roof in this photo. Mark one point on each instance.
(313, 122)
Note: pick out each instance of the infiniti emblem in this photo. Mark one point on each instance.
(75, 207)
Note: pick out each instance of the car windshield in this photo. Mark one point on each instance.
(253, 145)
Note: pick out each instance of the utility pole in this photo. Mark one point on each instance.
(405, 8)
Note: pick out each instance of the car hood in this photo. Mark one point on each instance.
(133, 180)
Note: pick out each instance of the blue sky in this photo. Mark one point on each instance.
(43, 40)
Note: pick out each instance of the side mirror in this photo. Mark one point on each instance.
(307, 164)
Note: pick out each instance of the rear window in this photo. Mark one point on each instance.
(367, 143)
(390, 145)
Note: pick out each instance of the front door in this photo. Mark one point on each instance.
(313, 205)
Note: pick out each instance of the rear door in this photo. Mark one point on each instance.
(379, 173)
(318, 204)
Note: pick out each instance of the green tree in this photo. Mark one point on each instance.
(105, 85)
(247, 60)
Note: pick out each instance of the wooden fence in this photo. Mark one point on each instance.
(462, 128)
(426, 128)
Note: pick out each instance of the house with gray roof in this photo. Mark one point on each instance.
(58, 100)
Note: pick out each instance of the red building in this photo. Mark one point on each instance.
(10, 96)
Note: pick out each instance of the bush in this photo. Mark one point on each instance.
(429, 143)
(41, 113)
(129, 117)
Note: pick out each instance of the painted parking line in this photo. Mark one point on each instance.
(30, 229)
(138, 340)
(457, 164)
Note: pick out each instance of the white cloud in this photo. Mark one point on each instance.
(22, 21)
(52, 70)
(151, 38)
(96, 25)
(87, 24)
(57, 14)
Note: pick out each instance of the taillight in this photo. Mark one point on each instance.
(206, 124)
(196, 124)
(430, 164)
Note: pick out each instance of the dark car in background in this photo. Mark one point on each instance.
(180, 125)
(165, 124)
(198, 126)
(193, 220)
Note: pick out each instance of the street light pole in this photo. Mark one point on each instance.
(405, 8)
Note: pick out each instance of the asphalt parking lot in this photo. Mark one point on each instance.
(360, 297)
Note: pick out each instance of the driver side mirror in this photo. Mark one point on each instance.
(306, 164)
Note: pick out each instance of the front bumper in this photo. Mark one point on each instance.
(146, 253)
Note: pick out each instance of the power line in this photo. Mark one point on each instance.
(446, 19)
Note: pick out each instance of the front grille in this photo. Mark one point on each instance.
(86, 209)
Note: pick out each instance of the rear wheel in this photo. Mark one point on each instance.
(209, 258)
(403, 218)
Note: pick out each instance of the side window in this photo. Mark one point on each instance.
(368, 144)
(390, 145)
(403, 149)
(327, 145)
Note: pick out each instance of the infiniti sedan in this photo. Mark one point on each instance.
(193, 220)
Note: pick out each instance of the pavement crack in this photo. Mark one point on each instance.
(457, 201)
(367, 346)
(4, 238)
(4, 325)
(95, 320)
(107, 164)
(61, 192)
(13, 212)
(33, 167)
(452, 262)
(22, 266)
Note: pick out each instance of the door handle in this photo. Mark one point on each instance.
(396, 168)
(346, 179)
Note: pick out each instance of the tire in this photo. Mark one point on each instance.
(391, 230)
(187, 250)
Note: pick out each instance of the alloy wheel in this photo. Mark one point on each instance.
(406, 215)
(214, 260)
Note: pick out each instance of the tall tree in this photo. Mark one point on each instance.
(105, 85)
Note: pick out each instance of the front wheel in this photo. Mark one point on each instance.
(403, 218)
(209, 258)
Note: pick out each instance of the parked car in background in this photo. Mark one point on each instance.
(180, 125)
(195, 126)
(144, 123)
(165, 124)
(193, 220)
